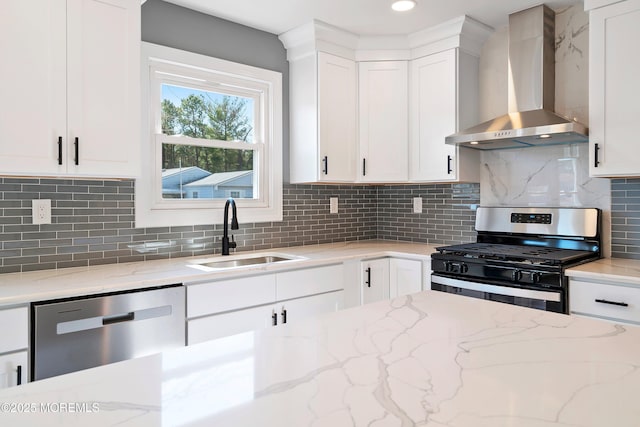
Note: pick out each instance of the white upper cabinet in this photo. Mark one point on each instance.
(322, 119)
(384, 125)
(72, 75)
(614, 88)
(444, 91)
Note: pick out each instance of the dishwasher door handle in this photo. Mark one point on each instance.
(87, 323)
(127, 317)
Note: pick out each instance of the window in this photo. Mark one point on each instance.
(214, 131)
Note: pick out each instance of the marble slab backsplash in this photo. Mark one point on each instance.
(545, 176)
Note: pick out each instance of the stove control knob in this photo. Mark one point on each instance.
(464, 268)
(516, 275)
(535, 277)
(447, 266)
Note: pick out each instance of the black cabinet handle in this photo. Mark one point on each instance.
(325, 168)
(449, 170)
(59, 150)
(77, 147)
(596, 149)
(284, 315)
(364, 167)
(19, 372)
(368, 281)
(620, 304)
(274, 319)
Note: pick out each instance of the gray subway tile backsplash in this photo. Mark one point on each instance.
(93, 222)
(625, 218)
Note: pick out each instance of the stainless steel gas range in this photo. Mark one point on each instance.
(520, 256)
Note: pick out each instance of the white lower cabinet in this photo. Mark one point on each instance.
(374, 280)
(405, 277)
(386, 278)
(611, 301)
(297, 309)
(221, 308)
(14, 340)
(249, 319)
(13, 369)
(225, 324)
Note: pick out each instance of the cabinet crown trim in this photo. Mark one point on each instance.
(462, 32)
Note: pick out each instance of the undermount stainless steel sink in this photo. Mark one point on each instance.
(261, 259)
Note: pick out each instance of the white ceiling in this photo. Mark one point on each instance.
(363, 17)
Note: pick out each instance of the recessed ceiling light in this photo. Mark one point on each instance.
(403, 5)
(544, 136)
(474, 143)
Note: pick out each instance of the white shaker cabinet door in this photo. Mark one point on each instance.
(384, 123)
(13, 369)
(337, 117)
(104, 87)
(33, 86)
(614, 89)
(405, 277)
(301, 308)
(374, 280)
(443, 99)
(433, 116)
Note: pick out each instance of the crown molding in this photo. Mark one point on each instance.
(594, 4)
(463, 32)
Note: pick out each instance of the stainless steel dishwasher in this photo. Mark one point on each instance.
(79, 333)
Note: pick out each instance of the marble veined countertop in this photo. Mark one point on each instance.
(429, 359)
(616, 270)
(21, 288)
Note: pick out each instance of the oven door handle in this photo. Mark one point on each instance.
(497, 289)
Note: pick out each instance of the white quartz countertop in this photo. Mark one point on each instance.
(20, 288)
(616, 270)
(430, 359)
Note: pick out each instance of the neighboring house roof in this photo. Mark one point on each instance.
(218, 178)
(174, 171)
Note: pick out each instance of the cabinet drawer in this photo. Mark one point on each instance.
(605, 300)
(9, 371)
(14, 334)
(310, 281)
(226, 295)
(226, 324)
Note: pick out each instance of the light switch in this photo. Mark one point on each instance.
(417, 205)
(333, 205)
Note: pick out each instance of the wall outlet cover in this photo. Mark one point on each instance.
(41, 211)
(333, 205)
(417, 205)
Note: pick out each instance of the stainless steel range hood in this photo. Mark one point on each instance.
(531, 120)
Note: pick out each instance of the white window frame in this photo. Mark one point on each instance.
(263, 86)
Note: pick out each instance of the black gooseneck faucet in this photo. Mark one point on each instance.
(234, 226)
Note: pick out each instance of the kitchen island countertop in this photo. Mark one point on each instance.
(430, 359)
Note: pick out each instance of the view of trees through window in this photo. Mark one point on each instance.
(197, 171)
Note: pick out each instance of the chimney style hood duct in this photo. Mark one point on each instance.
(531, 120)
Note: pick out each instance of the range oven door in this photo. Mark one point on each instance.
(525, 296)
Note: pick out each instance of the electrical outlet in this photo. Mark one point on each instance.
(333, 205)
(41, 211)
(417, 205)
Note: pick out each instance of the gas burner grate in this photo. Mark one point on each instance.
(515, 253)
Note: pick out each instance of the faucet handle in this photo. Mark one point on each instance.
(232, 243)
